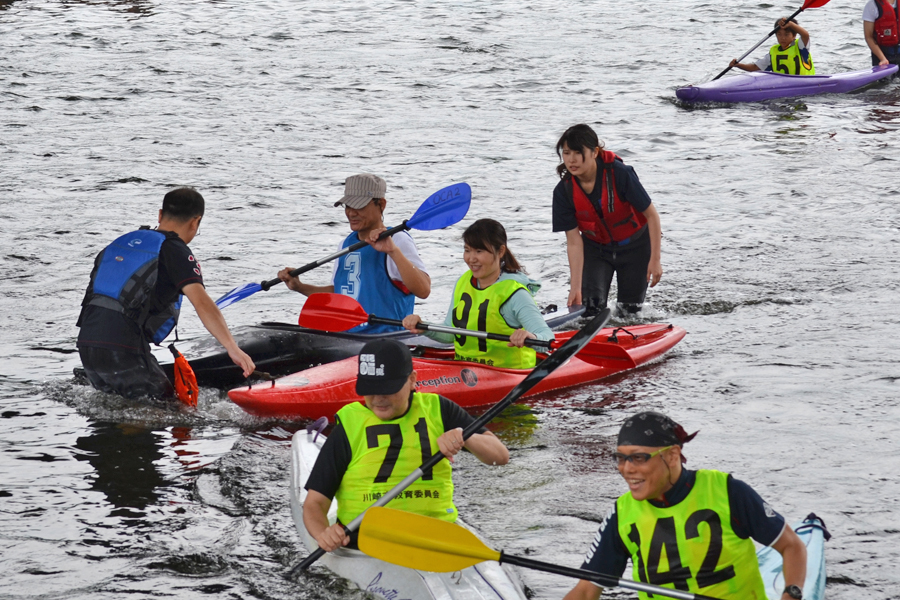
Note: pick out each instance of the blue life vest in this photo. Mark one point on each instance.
(363, 276)
(124, 280)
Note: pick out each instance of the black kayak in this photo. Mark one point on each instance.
(282, 348)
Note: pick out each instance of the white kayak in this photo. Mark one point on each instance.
(487, 580)
(813, 533)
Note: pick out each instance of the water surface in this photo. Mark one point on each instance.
(780, 248)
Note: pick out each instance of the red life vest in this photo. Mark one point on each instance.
(617, 220)
(887, 25)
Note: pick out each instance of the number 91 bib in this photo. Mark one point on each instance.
(480, 310)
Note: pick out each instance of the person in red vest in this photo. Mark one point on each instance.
(881, 25)
(610, 224)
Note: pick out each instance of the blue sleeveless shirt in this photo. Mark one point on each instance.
(363, 276)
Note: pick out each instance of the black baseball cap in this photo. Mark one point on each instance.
(384, 366)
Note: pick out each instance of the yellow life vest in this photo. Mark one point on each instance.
(790, 61)
(691, 546)
(480, 310)
(385, 452)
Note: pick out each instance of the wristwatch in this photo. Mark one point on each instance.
(794, 592)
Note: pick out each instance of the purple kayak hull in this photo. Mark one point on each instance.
(761, 85)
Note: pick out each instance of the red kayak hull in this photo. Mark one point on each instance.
(323, 390)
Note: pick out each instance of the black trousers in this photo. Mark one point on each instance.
(126, 374)
(628, 263)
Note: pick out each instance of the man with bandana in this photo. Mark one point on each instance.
(683, 529)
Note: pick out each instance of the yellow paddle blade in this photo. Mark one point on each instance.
(418, 542)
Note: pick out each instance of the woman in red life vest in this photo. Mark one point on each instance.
(610, 224)
(881, 26)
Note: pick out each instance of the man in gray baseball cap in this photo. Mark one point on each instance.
(386, 276)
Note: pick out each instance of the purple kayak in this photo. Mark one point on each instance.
(763, 85)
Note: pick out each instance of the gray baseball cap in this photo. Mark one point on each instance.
(360, 189)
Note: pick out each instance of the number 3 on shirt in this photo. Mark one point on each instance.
(352, 266)
(393, 431)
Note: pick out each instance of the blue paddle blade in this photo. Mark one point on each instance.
(443, 208)
(238, 293)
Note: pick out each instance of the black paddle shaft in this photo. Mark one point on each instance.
(265, 285)
(463, 332)
(771, 33)
(602, 579)
(547, 366)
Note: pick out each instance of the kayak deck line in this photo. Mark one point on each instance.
(284, 348)
(324, 389)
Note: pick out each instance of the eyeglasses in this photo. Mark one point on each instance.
(638, 458)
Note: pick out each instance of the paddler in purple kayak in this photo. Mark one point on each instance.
(790, 56)
(386, 276)
(375, 445)
(494, 295)
(881, 26)
(610, 223)
(701, 521)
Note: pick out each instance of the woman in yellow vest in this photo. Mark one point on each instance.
(375, 445)
(495, 296)
(789, 56)
(672, 519)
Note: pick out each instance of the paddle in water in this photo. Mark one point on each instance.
(336, 312)
(544, 368)
(441, 209)
(807, 4)
(429, 544)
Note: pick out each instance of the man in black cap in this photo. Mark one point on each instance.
(686, 530)
(386, 276)
(375, 445)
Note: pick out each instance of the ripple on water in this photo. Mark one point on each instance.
(779, 249)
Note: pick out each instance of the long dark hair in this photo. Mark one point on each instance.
(580, 138)
(489, 235)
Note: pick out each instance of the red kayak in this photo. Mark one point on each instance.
(323, 390)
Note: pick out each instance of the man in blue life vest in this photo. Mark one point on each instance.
(672, 521)
(134, 298)
(375, 445)
(386, 276)
(881, 27)
(790, 56)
